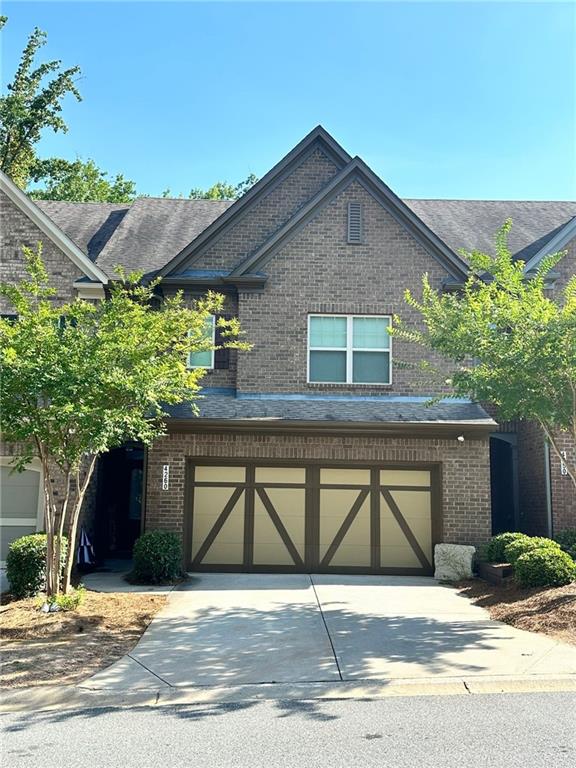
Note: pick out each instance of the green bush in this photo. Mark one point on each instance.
(493, 551)
(567, 539)
(26, 564)
(515, 549)
(157, 558)
(545, 567)
(72, 601)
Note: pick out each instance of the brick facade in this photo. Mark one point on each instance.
(465, 471)
(269, 213)
(17, 230)
(318, 271)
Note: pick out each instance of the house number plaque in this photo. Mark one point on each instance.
(165, 476)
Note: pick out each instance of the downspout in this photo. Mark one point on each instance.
(548, 484)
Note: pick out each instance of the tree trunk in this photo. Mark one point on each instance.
(73, 524)
(52, 575)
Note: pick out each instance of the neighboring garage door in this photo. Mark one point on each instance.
(19, 505)
(254, 517)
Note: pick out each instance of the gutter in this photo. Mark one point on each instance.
(457, 430)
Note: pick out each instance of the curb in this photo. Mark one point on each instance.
(79, 697)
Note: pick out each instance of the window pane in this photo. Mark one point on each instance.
(371, 333)
(204, 359)
(371, 368)
(328, 366)
(327, 331)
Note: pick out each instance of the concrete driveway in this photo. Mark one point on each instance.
(235, 629)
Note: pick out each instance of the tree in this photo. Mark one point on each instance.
(81, 378)
(80, 181)
(31, 105)
(510, 344)
(222, 190)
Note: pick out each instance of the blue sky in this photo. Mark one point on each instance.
(451, 100)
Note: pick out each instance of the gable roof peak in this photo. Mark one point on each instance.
(46, 225)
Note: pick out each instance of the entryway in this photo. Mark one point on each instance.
(312, 517)
(119, 502)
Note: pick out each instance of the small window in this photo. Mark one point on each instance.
(354, 222)
(205, 359)
(349, 349)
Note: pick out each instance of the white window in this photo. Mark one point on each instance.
(205, 359)
(349, 349)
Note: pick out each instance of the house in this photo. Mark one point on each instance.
(317, 450)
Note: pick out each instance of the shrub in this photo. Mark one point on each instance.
(493, 551)
(72, 601)
(567, 539)
(545, 567)
(157, 558)
(26, 564)
(515, 549)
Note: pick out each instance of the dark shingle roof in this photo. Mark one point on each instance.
(89, 225)
(150, 232)
(472, 224)
(337, 410)
(155, 230)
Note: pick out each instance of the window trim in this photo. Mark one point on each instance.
(212, 351)
(349, 350)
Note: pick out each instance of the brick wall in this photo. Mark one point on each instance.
(269, 213)
(562, 488)
(532, 479)
(317, 271)
(465, 471)
(17, 230)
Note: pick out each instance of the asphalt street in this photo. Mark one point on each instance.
(508, 730)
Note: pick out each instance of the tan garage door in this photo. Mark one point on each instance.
(311, 518)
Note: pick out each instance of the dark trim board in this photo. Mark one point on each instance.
(310, 561)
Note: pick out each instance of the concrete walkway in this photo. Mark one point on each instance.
(245, 629)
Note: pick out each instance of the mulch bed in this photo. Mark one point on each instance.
(551, 610)
(69, 646)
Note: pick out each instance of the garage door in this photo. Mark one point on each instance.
(19, 508)
(254, 517)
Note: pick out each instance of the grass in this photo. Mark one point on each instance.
(550, 610)
(69, 646)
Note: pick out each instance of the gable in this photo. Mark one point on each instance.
(50, 230)
(357, 171)
(265, 207)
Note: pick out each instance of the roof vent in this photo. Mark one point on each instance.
(354, 222)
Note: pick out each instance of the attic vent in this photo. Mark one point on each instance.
(354, 222)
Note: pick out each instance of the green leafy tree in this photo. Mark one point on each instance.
(31, 104)
(80, 181)
(509, 342)
(81, 378)
(222, 190)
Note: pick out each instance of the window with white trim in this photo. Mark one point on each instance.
(349, 349)
(205, 358)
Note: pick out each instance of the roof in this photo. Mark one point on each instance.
(472, 224)
(89, 225)
(154, 229)
(51, 229)
(337, 410)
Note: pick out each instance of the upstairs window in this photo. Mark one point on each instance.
(354, 222)
(349, 349)
(205, 359)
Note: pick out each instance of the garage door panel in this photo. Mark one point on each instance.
(227, 545)
(279, 539)
(398, 556)
(282, 475)
(214, 474)
(334, 508)
(342, 476)
(416, 477)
